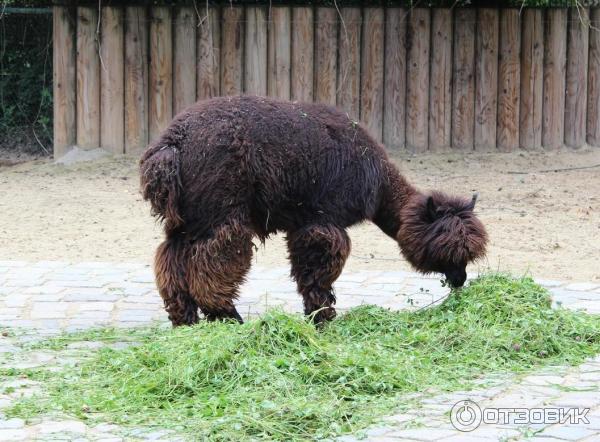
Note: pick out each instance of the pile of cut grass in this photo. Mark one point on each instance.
(280, 378)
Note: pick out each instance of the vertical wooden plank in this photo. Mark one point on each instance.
(280, 58)
(371, 98)
(88, 79)
(208, 53)
(232, 48)
(112, 98)
(136, 78)
(184, 80)
(576, 80)
(593, 104)
(532, 79)
(463, 83)
(509, 74)
(394, 98)
(348, 89)
(161, 71)
(326, 30)
(440, 99)
(302, 53)
(417, 81)
(555, 56)
(64, 81)
(255, 71)
(486, 80)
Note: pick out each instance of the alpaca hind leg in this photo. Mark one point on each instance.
(217, 266)
(169, 266)
(318, 254)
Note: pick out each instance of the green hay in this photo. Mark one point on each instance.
(280, 378)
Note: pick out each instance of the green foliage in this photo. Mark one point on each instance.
(26, 81)
(280, 378)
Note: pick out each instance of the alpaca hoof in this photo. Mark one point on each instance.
(324, 315)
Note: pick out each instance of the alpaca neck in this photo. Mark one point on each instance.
(395, 193)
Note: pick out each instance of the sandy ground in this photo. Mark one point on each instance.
(544, 223)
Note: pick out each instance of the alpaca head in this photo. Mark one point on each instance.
(440, 233)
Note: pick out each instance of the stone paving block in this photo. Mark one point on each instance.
(100, 296)
(49, 288)
(16, 263)
(565, 432)
(49, 310)
(12, 435)
(71, 426)
(422, 434)
(11, 423)
(583, 286)
(579, 399)
(95, 315)
(137, 306)
(94, 306)
(543, 380)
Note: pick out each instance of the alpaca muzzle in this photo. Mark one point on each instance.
(456, 277)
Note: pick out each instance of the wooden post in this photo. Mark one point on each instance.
(302, 53)
(112, 99)
(440, 98)
(532, 79)
(463, 84)
(232, 48)
(208, 53)
(88, 79)
(326, 30)
(184, 81)
(394, 97)
(417, 81)
(486, 80)
(371, 99)
(136, 78)
(255, 72)
(280, 59)
(64, 81)
(161, 71)
(555, 55)
(577, 75)
(348, 94)
(593, 104)
(509, 74)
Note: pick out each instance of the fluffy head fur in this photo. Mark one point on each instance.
(441, 233)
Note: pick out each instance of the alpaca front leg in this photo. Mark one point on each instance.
(169, 267)
(318, 254)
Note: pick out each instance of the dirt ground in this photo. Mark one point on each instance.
(543, 223)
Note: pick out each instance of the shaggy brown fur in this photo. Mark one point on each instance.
(229, 169)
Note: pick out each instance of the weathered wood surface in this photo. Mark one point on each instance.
(232, 50)
(371, 102)
(280, 59)
(486, 80)
(136, 78)
(440, 93)
(348, 82)
(112, 97)
(255, 70)
(417, 81)
(555, 58)
(532, 79)
(302, 54)
(463, 84)
(64, 81)
(509, 74)
(208, 81)
(326, 31)
(88, 79)
(184, 80)
(394, 98)
(593, 102)
(577, 77)
(161, 71)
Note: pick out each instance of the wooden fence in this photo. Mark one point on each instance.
(420, 79)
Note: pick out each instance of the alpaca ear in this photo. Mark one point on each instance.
(473, 201)
(431, 209)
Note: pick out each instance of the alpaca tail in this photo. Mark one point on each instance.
(160, 180)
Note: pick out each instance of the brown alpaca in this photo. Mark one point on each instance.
(229, 169)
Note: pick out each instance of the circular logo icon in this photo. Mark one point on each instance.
(465, 416)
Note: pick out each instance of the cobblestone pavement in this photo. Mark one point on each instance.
(48, 297)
